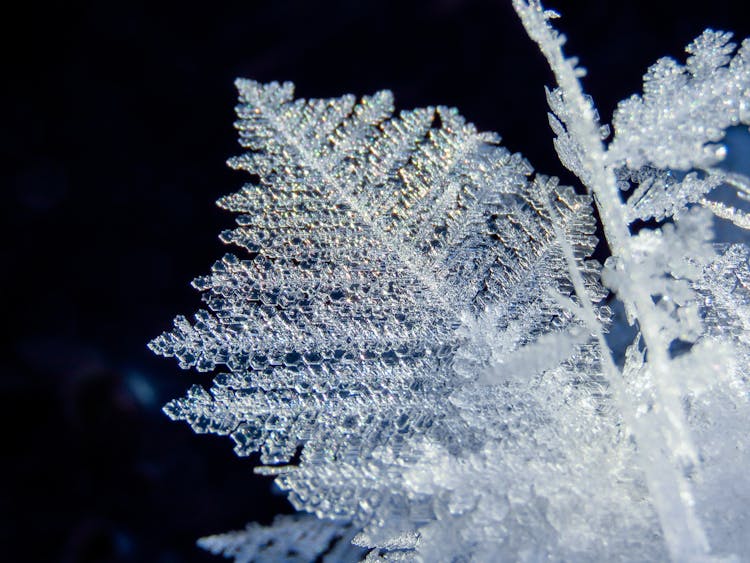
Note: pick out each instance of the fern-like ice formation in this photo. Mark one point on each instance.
(415, 313)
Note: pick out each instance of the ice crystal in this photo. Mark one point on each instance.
(296, 538)
(415, 313)
(684, 110)
(371, 252)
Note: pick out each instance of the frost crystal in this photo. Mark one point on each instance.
(417, 313)
(684, 110)
(298, 538)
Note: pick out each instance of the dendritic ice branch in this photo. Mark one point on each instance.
(414, 336)
(662, 150)
(684, 111)
(297, 538)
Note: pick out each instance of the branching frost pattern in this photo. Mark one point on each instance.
(417, 312)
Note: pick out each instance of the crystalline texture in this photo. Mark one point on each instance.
(291, 539)
(366, 246)
(685, 110)
(653, 271)
(412, 334)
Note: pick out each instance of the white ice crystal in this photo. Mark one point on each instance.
(416, 311)
(296, 538)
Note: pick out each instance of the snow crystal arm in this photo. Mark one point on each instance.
(678, 123)
(298, 538)
(671, 490)
(365, 245)
(737, 216)
(685, 110)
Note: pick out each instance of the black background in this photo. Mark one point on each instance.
(117, 122)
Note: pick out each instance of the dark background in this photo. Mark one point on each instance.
(117, 122)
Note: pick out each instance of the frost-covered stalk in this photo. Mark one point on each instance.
(667, 450)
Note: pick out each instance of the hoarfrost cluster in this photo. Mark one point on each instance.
(417, 311)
